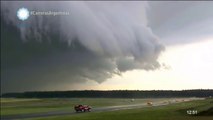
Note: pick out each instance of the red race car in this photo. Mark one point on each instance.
(82, 108)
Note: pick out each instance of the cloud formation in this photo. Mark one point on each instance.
(94, 42)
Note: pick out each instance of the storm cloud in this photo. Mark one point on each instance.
(96, 41)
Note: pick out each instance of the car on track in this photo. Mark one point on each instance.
(82, 108)
(149, 103)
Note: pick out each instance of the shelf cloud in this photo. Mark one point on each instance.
(95, 41)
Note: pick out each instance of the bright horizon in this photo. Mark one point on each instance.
(181, 76)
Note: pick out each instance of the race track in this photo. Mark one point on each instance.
(98, 109)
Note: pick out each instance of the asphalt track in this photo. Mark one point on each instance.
(99, 109)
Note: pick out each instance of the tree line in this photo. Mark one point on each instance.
(112, 94)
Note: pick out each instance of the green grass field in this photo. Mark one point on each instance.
(12, 106)
(170, 112)
(176, 111)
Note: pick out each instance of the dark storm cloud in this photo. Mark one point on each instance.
(96, 41)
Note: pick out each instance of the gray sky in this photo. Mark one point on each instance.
(98, 43)
(185, 21)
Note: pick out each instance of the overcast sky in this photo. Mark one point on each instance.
(107, 45)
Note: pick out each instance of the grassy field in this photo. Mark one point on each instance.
(171, 112)
(176, 111)
(12, 106)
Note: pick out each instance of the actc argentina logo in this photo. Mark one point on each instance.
(23, 13)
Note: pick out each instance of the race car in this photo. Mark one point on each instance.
(82, 108)
(149, 103)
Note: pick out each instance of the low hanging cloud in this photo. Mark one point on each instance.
(94, 42)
